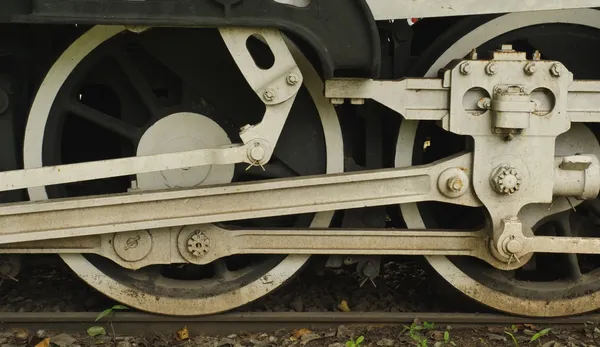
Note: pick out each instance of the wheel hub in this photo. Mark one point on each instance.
(183, 131)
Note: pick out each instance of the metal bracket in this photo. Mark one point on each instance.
(514, 109)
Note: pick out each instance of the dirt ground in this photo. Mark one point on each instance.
(45, 284)
(420, 334)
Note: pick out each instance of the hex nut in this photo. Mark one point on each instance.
(465, 68)
(269, 94)
(556, 70)
(530, 68)
(491, 68)
(292, 79)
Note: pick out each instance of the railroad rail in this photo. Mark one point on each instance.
(130, 323)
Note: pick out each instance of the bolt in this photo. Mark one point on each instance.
(198, 244)
(292, 79)
(491, 68)
(465, 68)
(336, 101)
(506, 180)
(257, 153)
(3, 101)
(455, 184)
(506, 47)
(514, 246)
(556, 70)
(269, 94)
(530, 68)
(484, 103)
(357, 101)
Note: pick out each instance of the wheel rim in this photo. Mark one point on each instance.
(130, 289)
(540, 298)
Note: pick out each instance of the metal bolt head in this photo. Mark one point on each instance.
(506, 48)
(292, 79)
(198, 244)
(556, 70)
(465, 68)
(506, 180)
(269, 94)
(455, 184)
(491, 68)
(530, 68)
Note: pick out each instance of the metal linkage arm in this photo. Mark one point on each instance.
(276, 86)
(429, 98)
(135, 211)
(49, 175)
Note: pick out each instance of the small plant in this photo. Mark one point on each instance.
(540, 334)
(110, 310)
(535, 337)
(414, 332)
(512, 336)
(447, 340)
(355, 343)
(98, 330)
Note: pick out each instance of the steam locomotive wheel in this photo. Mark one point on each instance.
(548, 285)
(115, 93)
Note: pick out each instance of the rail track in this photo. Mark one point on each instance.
(131, 323)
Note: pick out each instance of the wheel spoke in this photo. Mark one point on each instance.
(105, 121)
(138, 81)
(563, 228)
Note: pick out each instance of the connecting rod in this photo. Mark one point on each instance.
(72, 217)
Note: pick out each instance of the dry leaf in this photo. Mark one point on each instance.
(183, 334)
(531, 326)
(44, 343)
(343, 306)
(297, 334)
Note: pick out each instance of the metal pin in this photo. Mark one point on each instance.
(256, 164)
(365, 280)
